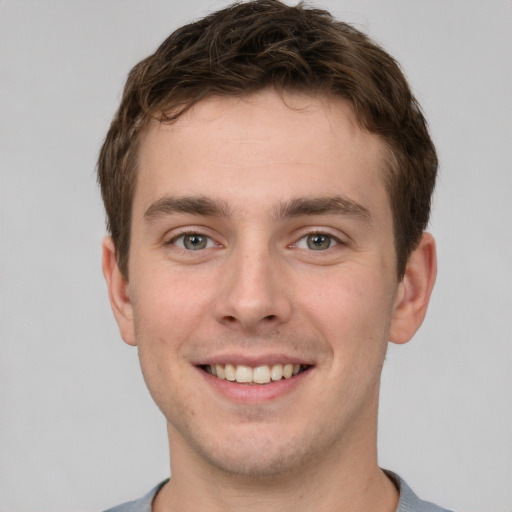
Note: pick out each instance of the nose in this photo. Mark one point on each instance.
(253, 294)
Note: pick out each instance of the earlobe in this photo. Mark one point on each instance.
(414, 291)
(118, 292)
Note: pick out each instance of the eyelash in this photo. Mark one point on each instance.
(190, 232)
(211, 242)
(332, 238)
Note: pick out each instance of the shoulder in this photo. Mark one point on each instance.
(409, 502)
(142, 504)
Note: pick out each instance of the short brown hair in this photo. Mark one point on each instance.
(261, 44)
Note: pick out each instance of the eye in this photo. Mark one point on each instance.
(317, 242)
(193, 242)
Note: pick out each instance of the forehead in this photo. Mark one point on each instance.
(279, 145)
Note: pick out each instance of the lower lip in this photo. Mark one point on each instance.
(255, 393)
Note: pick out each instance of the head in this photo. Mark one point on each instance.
(267, 181)
(253, 46)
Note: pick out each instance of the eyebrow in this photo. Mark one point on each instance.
(331, 205)
(195, 205)
(207, 207)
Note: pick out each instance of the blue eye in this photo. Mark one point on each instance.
(317, 242)
(194, 242)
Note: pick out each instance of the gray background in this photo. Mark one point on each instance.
(78, 431)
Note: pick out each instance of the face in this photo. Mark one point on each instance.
(262, 245)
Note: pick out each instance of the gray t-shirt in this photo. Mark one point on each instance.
(409, 502)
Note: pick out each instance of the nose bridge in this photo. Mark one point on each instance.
(252, 292)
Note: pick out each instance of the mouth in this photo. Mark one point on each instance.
(258, 375)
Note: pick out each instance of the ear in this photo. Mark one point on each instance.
(118, 292)
(414, 291)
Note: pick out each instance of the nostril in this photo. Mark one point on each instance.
(249, 321)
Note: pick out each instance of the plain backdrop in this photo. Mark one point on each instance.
(78, 430)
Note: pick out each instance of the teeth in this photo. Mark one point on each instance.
(259, 375)
(221, 374)
(230, 372)
(243, 373)
(276, 372)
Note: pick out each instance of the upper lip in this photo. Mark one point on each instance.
(253, 360)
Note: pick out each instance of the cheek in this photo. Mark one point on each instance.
(165, 321)
(352, 298)
(163, 376)
(352, 312)
(168, 306)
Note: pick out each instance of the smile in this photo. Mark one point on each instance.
(263, 374)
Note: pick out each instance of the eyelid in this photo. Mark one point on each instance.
(334, 242)
(183, 232)
(337, 238)
(209, 242)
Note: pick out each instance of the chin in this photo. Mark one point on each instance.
(256, 453)
(253, 463)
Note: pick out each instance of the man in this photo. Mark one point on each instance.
(267, 181)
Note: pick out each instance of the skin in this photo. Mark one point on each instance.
(259, 291)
